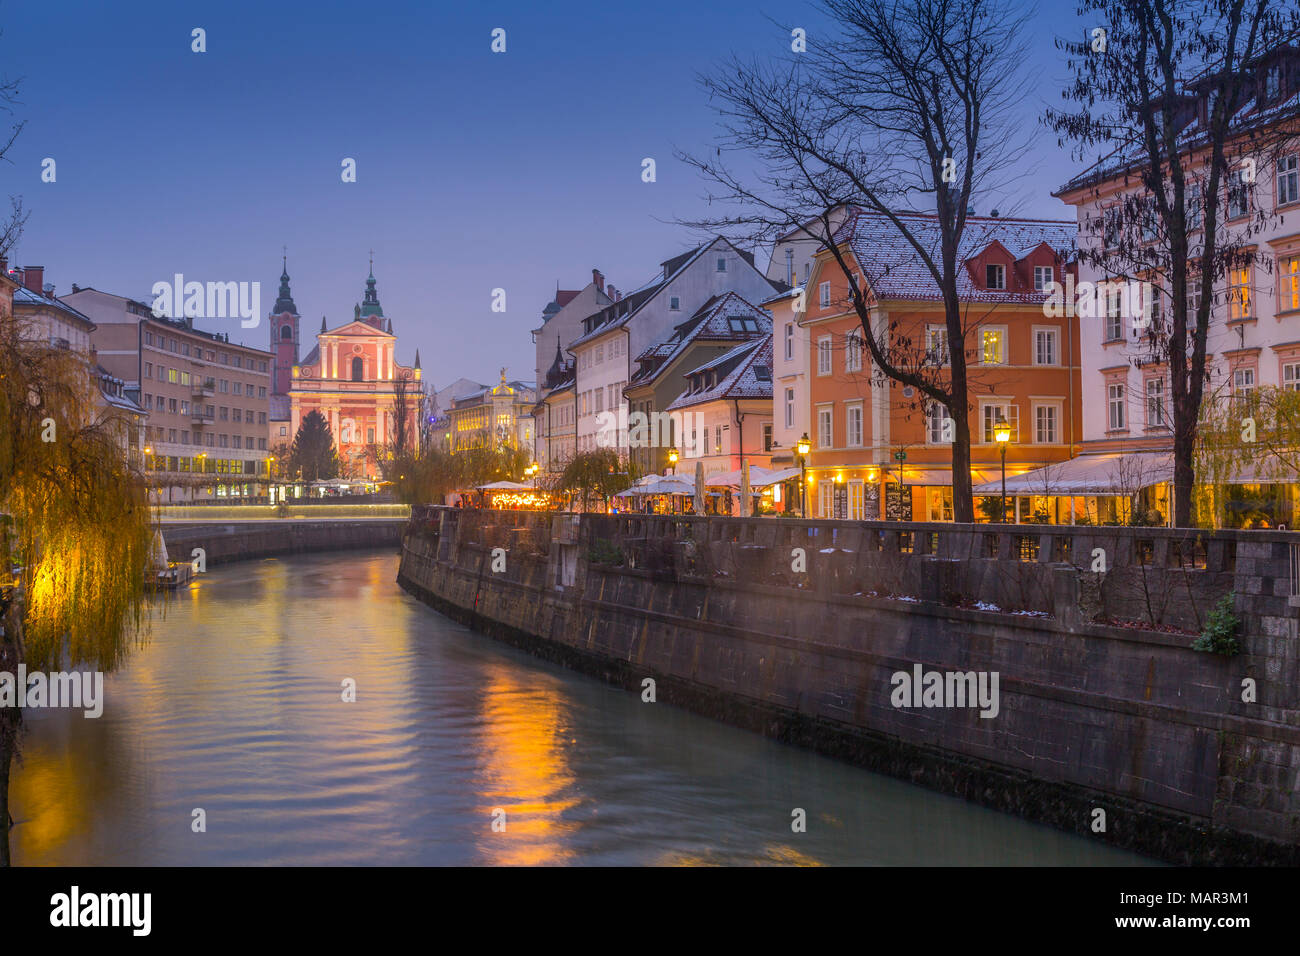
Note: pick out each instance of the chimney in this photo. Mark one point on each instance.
(75, 287)
(33, 276)
(611, 292)
(4, 265)
(49, 290)
(597, 278)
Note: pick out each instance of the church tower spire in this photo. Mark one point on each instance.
(283, 333)
(371, 312)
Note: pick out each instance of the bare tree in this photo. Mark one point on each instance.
(905, 104)
(1175, 93)
(11, 226)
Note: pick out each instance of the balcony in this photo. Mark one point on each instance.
(205, 388)
(201, 418)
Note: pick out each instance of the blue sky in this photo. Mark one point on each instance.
(474, 170)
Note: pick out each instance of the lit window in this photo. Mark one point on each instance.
(936, 345)
(1239, 298)
(994, 347)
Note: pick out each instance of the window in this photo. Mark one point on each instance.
(1289, 291)
(789, 341)
(224, 412)
(1238, 194)
(370, 436)
(1113, 295)
(1156, 403)
(1005, 411)
(357, 371)
(995, 276)
(261, 391)
(600, 400)
(1243, 385)
(717, 440)
(1193, 294)
(824, 355)
(853, 351)
(767, 436)
(853, 426)
(1112, 227)
(1046, 421)
(936, 344)
(185, 407)
(938, 431)
(171, 375)
(1042, 277)
(148, 369)
(994, 346)
(148, 338)
(237, 414)
(1115, 406)
(1239, 298)
(789, 408)
(1291, 377)
(1192, 205)
(857, 506)
(225, 386)
(171, 406)
(825, 428)
(239, 386)
(824, 294)
(722, 264)
(1273, 82)
(1045, 351)
(1288, 179)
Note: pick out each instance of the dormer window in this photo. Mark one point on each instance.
(742, 323)
(1272, 83)
(995, 276)
(722, 264)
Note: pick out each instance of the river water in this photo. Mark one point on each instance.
(235, 707)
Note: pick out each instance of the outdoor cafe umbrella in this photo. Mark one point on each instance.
(699, 487)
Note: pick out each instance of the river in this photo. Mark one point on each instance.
(234, 707)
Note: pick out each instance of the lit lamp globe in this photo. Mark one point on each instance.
(803, 445)
(1002, 432)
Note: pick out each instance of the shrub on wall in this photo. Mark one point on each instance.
(1221, 629)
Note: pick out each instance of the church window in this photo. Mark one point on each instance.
(286, 333)
(356, 369)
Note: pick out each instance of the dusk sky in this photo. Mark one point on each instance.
(475, 170)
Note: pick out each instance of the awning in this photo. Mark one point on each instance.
(759, 477)
(504, 486)
(1112, 473)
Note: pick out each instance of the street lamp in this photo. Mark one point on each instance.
(672, 458)
(1002, 434)
(803, 446)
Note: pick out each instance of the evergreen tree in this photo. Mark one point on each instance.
(314, 457)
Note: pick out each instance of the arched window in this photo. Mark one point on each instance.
(286, 333)
(356, 369)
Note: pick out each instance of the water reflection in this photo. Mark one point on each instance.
(236, 707)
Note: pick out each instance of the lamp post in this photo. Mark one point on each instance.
(672, 458)
(1002, 434)
(802, 446)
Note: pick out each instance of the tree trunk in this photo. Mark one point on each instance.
(1184, 475)
(10, 717)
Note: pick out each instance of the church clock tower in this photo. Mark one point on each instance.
(284, 336)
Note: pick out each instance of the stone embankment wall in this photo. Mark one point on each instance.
(242, 541)
(798, 628)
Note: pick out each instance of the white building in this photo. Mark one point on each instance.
(613, 336)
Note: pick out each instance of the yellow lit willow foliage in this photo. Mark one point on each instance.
(81, 525)
(1223, 451)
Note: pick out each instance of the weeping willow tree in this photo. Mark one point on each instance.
(78, 526)
(1244, 445)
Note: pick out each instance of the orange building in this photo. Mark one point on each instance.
(880, 450)
(351, 378)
